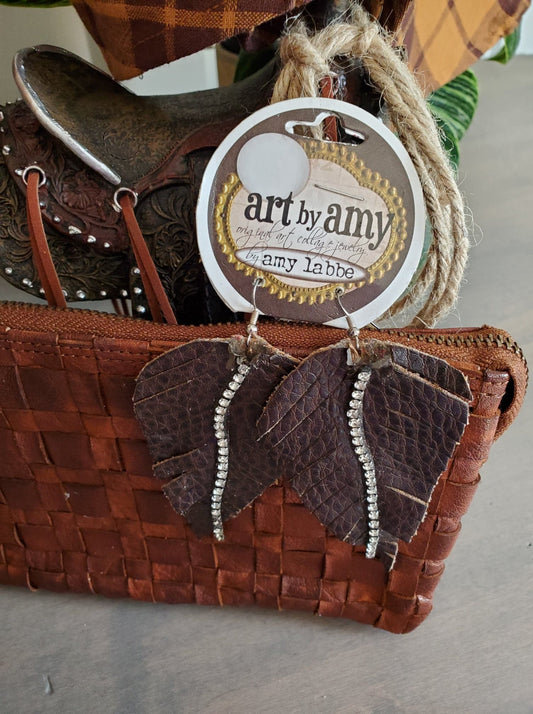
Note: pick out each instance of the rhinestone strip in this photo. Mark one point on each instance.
(221, 435)
(364, 456)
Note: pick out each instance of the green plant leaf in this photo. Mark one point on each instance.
(508, 50)
(453, 107)
(249, 63)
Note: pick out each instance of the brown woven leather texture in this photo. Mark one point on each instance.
(80, 510)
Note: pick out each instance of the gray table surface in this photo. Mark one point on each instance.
(473, 654)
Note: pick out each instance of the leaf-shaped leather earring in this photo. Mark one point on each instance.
(363, 437)
(198, 406)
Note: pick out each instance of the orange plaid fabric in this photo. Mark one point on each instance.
(136, 35)
(443, 37)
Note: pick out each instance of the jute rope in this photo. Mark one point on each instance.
(306, 62)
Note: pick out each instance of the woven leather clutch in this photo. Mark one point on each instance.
(80, 510)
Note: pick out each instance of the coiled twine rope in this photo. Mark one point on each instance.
(306, 62)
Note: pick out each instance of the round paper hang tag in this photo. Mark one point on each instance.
(309, 216)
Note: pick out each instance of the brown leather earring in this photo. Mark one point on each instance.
(363, 433)
(198, 405)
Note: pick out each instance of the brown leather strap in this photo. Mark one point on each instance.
(327, 91)
(121, 307)
(41, 253)
(155, 293)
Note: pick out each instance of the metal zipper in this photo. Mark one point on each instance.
(45, 318)
(468, 340)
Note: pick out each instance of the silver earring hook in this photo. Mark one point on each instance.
(353, 331)
(251, 328)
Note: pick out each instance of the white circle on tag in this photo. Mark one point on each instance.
(284, 166)
(311, 216)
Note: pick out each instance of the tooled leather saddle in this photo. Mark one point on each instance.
(91, 140)
(90, 136)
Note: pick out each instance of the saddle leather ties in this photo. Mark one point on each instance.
(42, 259)
(155, 293)
(160, 308)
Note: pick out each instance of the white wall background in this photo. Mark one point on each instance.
(23, 27)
